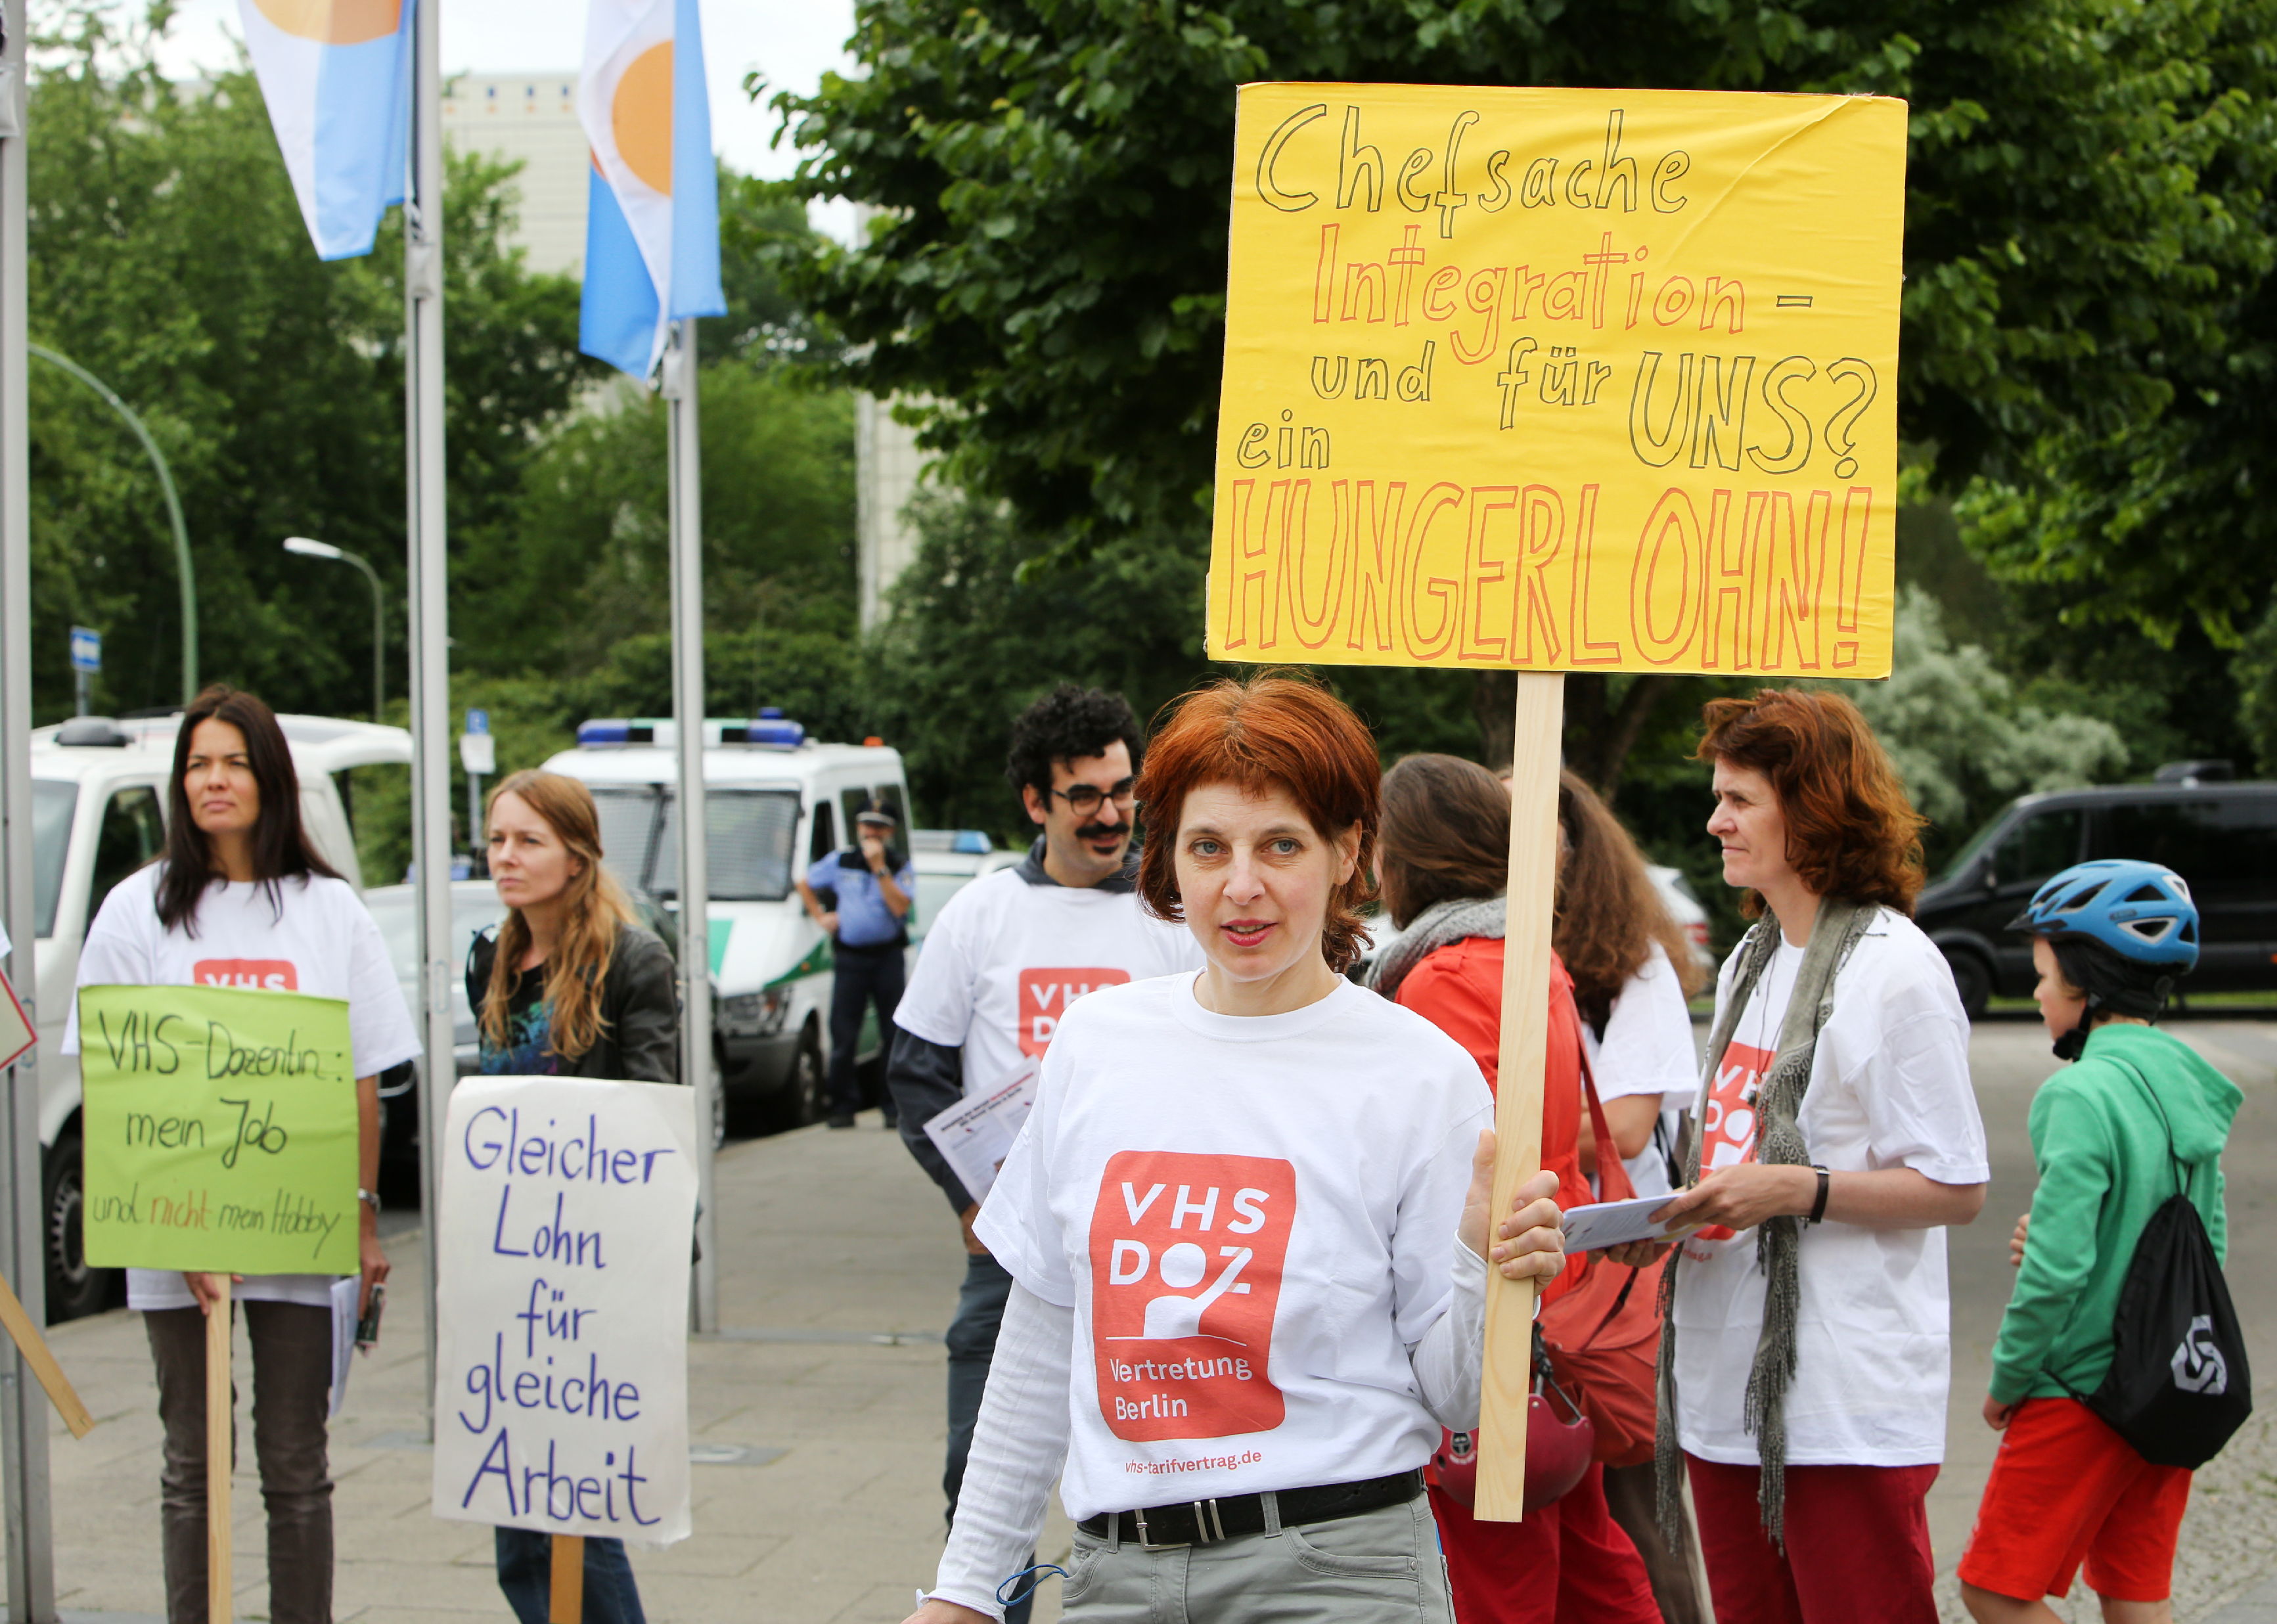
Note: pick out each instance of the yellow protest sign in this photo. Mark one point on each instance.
(1560, 380)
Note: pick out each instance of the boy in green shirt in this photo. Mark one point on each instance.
(2109, 938)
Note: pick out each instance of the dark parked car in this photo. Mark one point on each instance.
(2220, 838)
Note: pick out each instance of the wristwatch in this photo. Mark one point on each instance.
(371, 1198)
(1825, 1182)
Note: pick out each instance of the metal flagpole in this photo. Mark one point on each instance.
(687, 506)
(23, 1257)
(430, 657)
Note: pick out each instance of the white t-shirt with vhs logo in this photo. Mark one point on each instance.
(1006, 958)
(1889, 1088)
(1252, 1219)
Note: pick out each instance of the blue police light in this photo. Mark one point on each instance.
(613, 731)
(767, 730)
(972, 842)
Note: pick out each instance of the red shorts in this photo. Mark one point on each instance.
(2067, 1489)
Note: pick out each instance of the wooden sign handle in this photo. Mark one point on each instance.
(34, 1347)
(566, 1604)
(1535, 758)
(219, 1592)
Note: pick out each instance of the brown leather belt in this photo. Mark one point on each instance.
(1205, 1522)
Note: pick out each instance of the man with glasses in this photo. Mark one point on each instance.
(1001, 964)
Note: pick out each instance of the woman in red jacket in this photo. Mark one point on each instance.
(1445, 844)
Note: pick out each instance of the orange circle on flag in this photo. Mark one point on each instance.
(335, 22)
(640, 117)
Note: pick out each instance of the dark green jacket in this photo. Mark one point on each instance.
(2101, 1141)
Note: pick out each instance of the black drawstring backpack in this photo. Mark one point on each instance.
(2178, 1387)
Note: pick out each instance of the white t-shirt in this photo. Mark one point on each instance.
(322, 943)
(1251, 1218)
(1005, 959)
(1649, 1047)
(1889, 1088)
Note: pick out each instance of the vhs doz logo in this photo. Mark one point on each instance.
(1185, 1270)
(1044, 995)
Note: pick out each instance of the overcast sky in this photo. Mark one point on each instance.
(793, 42)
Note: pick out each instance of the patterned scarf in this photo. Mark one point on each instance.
(1778, 1142)
(1457, 919)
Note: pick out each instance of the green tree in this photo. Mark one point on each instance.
(1049, 268)
(168, 257)
(1961, 737)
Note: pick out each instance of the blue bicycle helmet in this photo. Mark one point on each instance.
(2140, 910)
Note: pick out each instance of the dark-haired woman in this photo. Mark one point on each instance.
(1248, 1226)
(568, 985)
(1445, 852)
(1633, 970)
(242, 899)
(1804, 1366)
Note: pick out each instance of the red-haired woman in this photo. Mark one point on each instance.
(1804, 1366)
(1445, 857)
(1248, 1226)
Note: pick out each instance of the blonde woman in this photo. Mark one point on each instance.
(567, 986)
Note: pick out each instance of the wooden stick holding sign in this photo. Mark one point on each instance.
(1556, 380)
(565, 1599)
(34, 1347)
(1535, 763)
(220, 1437)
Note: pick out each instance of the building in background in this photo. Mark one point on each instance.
(886, 467)
(531, 118)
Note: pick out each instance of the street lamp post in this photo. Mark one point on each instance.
(189, 583)
(306, 548)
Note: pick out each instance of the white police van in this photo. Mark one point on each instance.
(775, 801)
(99, 813)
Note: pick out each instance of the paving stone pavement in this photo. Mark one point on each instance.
(839, 1264)
(839, 1270)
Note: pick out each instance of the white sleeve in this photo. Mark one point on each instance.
(381, 1033)
(936, 1005)
(1015, 1221)
(117, 952)
(1921, 1109)
(1018, 1447)
(1430, 1208)
(1449, 1358)
(1648, 1046)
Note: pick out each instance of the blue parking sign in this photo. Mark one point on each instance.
(86, 649)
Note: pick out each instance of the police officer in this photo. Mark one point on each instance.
(860, 895)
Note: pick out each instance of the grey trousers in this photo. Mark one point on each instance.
(291, 1393)
(1381, 1568)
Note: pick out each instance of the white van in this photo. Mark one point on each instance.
(776, 801)
(98, 813)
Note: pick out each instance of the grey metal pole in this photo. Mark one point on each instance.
(687, 506)
(430, 659)
(189, 580)
(23, 1408)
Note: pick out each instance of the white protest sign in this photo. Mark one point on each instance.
(562, 1304)
(976, 1134)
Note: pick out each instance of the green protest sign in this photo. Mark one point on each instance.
(220, 1129)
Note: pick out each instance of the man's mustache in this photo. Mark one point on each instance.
(1103, 831)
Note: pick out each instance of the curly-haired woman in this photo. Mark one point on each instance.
(1804, 1367)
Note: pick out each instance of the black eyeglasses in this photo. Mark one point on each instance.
(1084, 799)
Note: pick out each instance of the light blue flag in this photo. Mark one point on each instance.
(652, 223)
(338, 82)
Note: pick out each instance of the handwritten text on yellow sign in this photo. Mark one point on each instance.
(1560, 379)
